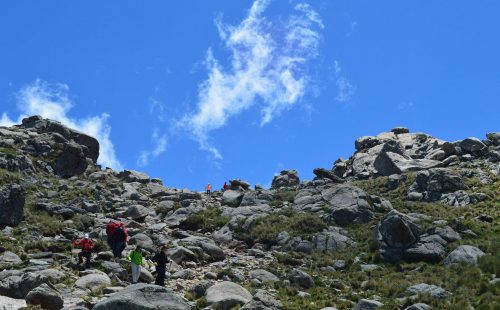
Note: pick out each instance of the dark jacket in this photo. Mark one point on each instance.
(119, 235)
(161, 259)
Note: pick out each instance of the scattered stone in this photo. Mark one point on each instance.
(464, 254)
(226, 295)
(45, 296)
(301, 279)
(423, 288)
(367, 304)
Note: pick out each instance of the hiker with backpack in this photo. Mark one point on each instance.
(135, 258)
(86, 244)
(117, 237)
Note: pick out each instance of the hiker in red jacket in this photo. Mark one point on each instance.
(86, 244)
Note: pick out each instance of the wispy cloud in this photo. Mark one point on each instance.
(268, 68)
(160, 146)
(405, 105)
(345, 89)
(351, 30)
(52, 101)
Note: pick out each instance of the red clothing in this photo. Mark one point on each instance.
(86, 244)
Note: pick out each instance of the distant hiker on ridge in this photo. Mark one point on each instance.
(208, 188)
(225, 187)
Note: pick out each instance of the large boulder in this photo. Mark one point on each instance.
(232, 198)
(18, 286)
(12, 200)
(424, 288)
(473, 146)
(93, 281)
(45, 296)
(138, 212)
(130, 176)
(301, 279)
(143, 297)
(397, 230)
(263, 275)
(348, 204)
(433, 183)
(263, 300)
(71, 160)
(226, 295)
(367, 304)
(286, 179)
(464, 254)
(8, 259)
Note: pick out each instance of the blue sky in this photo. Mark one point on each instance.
(204, 91)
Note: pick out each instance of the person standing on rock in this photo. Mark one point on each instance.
(161, 260)
(208, 188)
(225, 187)
(135, 263)
(86, 244)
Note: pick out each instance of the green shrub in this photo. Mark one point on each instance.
(208, 219)
(490, 264)
(266, 229)
(82, 222)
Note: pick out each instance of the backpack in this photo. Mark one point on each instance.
(111, 227)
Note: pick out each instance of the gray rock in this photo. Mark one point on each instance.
(200, 289)
(435, 182)
(301, 279)
(18, 286)
(263, 275)
(397, 230)
(286, 179)
(232, 198)
(423, 288)
(331, 241)
(144, 297)
(263, 300)
(226, 295)
(322, 173)
(46, 297)
(447, 233)
(348, 204)
(367, 304)
(93, 281)
(418, 306)
(71, 161)
(137, 212)
(130, 176)
(494, 137)
(141, 240)
(464, 254)
(473, 146)
(12, 200)
(8, 259)
(425, 252)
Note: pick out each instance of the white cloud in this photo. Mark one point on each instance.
(160, 146)
(268, 68)
(6, 121)
(405, 105)
(345, 90)
(52, 101)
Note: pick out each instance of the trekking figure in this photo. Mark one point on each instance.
(161, 261)
(208, 188)
(225, 187)
(117, 237)
(86, 244)
(120, 238)
(135, 262)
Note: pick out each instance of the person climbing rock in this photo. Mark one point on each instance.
(161, 260)
(135, 263)
(86, 244)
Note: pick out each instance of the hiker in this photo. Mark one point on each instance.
(117, 237)
(208, 188)
(120, 238)
(135, 262)
(161, 261)
(225, 187)
(86, 245)
(110, 229)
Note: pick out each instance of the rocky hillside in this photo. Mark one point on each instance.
(407, 222)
